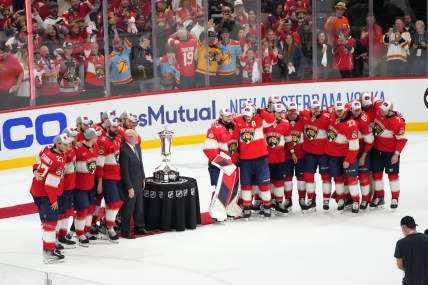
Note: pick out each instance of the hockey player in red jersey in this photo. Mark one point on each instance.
(104, 116)
(66, 198)
(45, 187)
(221, 149)
(128, 121)
(295, 158)
(366, 138)
(370, 105)
(82, 124)
(390, 139)
(108, 174)
(278, 136)
(316, 125)
(84, 194)
(253, 156)
(342, 148)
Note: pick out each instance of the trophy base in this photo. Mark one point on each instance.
(162, 176)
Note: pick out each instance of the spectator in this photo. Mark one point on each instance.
(120, 67)
(22, 98)
(77, 36)
(125, 13)
(343, 52)
(324, 56)
(272, 21)
(185, 12)
(290, 58)
(229, 68)
(304, 30)
(253, 26)
(79, 11)
(376, 61)
(198, 28)
(95, 73)
(398, 41)
(419, 50)
(408, 25)
(230, 23)
(68, 76)
(250, 67)
(215, 58)
(284, 28)
(411, 253)
(185, 45)
(113, 30)
(54, 19)
(239, 14)
(269, 59)
(164, 20)
(271, 39)
(333, 23)
(53, 39)
(142, 64)
(169, 77)
(48, 76)
(11, 74)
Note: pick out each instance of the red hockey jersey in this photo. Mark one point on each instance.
(390, 133)
(186, 51)
(296, 130)
(278, 136)
(365, 132)
(70, 173)
(315, 130)
(220, 139)
(251, 139)
(108, 157)
(342, 138)
(51, 166)
(86, 158)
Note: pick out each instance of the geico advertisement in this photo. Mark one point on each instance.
(191, 113)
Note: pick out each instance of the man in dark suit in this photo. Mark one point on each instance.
(132, 173)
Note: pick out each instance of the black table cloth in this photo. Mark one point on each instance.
(172, 206)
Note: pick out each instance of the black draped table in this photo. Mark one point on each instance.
(171, 206)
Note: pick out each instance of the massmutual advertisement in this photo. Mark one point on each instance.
(189, 114)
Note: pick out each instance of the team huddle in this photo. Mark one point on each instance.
(73, 176)
(350, 143)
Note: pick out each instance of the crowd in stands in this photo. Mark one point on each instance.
(184, 46)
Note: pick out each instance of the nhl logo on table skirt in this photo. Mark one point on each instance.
(146, 193)
(152, 194)
(192, 191)
(179, 194)
(160, 194)
(185, 192)
(170, 194)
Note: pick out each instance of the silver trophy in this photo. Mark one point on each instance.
(166, 172)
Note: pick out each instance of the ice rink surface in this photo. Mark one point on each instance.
(315, 248)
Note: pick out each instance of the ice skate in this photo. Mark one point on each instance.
(355, 207)
(281, 209)
(363, 205)
(311, 206)
(378, 203)
(247, 213)
(302, 204)
(267, 212)
(288, 204)
(52, 256)
(326, 204)
(66, 243)
(112, 235)
(394, 204)
(341, 205)
(256, 205)
(83, 241)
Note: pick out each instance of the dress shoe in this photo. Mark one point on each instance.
(127, 235)
(142, 232)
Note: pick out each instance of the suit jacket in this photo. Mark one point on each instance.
(131, 168)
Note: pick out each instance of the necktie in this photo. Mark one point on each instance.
(136, 153)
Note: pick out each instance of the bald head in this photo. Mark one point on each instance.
(131, 136)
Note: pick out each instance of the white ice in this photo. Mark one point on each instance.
(314, 248)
